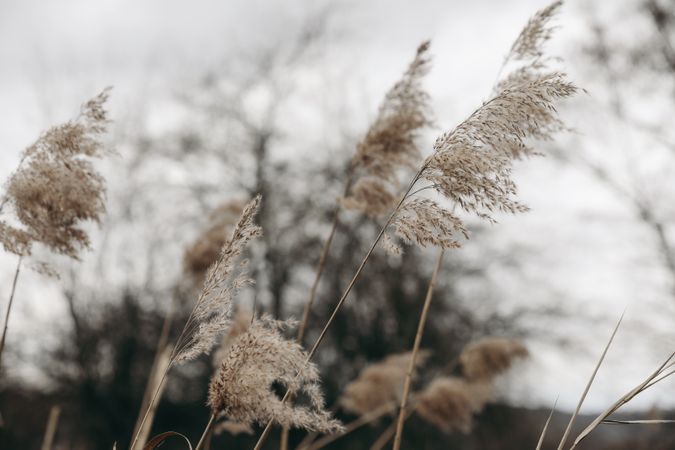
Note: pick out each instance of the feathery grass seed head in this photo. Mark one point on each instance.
(242, 388)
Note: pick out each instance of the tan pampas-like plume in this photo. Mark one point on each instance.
(242, 389)
(211, 315)
(489, 357)
(56, 188)
(527, 52)
(389, 144)
(450, 403)
(471, 165)
(379, 384)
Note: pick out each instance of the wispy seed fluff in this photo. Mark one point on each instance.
(471, 165)
(449, 403)
(489, 357)
(211, 315)
(242, 390)
(56, 188)
(379, 384)
(206, 249)
(239, 325)
(389, 144)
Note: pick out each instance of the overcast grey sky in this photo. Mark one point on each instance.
(53, 55)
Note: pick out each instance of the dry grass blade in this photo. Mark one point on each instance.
(588, 385)
(622, 401)
(548, 421)
(158, 440)
(637, 422)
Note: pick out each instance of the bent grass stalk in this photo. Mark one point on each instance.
(9, 307)
(343, 298)
(154, 372)
(415, 350)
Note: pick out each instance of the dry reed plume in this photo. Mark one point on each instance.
(390, 145)
(242, 388)
(489, 357)
(450, 403)
(470, 167)
(211, 314)
(379, 384)
(56, 188)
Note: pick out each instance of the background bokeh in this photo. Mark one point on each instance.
(213, 100)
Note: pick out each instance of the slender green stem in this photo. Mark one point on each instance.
(416, 347)
(9, 307)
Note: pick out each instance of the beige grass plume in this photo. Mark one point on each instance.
(490, 356)
(205, 250)
(56, 188)
(527, 52)
(211, 315)
(389, 144)
(471, 165)
(449, 403)
(242, 388)
(379, 384)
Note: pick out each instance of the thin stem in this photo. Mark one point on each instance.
(321, 265)
(588, 386)
(268, 428)
(9, 306)
(389, 433)
(416, 347)
(150, 405)
(50, 430)
(354, 425)
(145, 405)
(206, 432)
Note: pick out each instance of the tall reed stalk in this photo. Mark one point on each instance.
(207, 429)
(9, 307)
(50, 429)
(416, 347)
